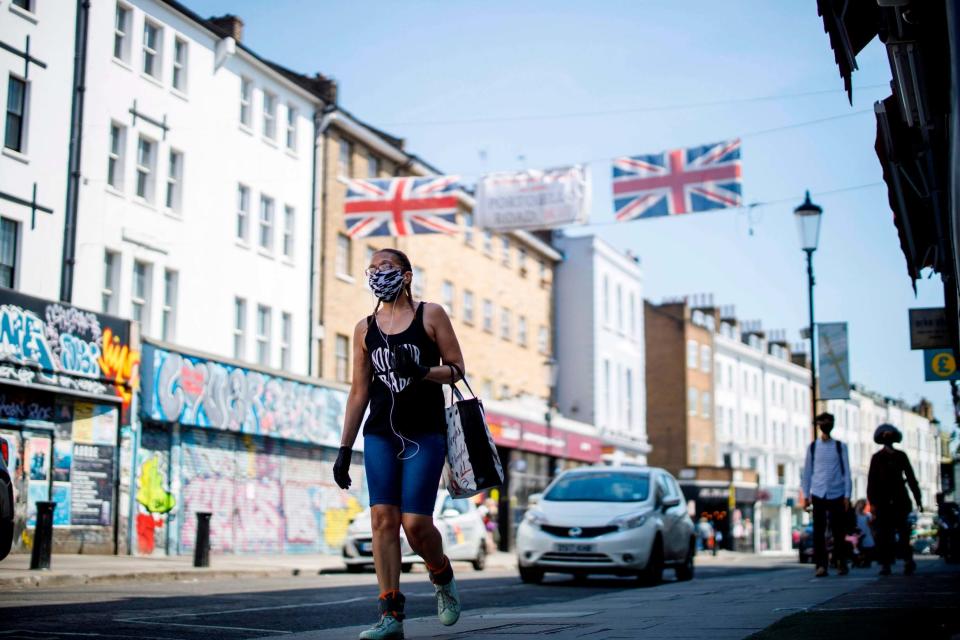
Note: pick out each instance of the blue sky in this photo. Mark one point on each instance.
(457, 80)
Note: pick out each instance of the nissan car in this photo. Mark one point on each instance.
(626, 521)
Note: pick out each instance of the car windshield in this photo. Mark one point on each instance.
(601, 487)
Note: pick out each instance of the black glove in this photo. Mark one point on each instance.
(341, 468)
(404, 364)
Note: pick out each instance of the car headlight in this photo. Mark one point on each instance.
(630, 521)
(534, 517)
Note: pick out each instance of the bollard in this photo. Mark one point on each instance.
(201, 549)
(42, 536)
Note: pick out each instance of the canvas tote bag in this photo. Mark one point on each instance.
(473, 465)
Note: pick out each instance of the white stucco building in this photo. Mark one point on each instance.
(599, 344)
(36, 87)
(197, 195)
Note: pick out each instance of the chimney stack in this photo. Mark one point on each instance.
(229, 25)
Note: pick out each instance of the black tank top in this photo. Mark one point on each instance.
(416, 408)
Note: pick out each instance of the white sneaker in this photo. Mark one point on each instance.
(389, 628)
(448, 602)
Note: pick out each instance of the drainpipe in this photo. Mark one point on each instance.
(76, 137)
(317, 266)
(313, 247)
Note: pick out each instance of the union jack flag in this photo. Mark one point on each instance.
(677, 181)
(401, 206)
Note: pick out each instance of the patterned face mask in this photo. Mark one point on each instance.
(386, 285)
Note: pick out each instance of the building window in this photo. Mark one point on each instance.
(146, 167)
(522, 260)
(619, 308)
(607, 406)
(152, 39)
(505, 251)
(346, 158)
(693, 396)
(286, 334)
(468, 228)
(522, 331)
(488, 242)
(342, 258)
(488, 316)
(180, 65)
(264, 318)
(24, 4)
(118, 136)
(291, 128)
(289, 224)
(628, 397)
(606, 300)
(111, 274)
(447, 297)
(706, 358)
(121, 31)
(373, 165)
(269, 115)
(9, 240)
(633, 315)
(543, 341)
(504, 392)
(266, 223)
(468, 307)
(343, 358)
(419, 281)
(239, 328)
(169, 328)
(692, 354)
(243, 211)
(140, 300)
(175, 181)
(246, 101)
(505, 324)
(543, 271)
(16, 114)
(706, 405)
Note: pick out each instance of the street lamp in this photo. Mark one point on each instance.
(553, 370)
(808, 224)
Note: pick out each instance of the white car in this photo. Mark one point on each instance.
(611, 520)
(460, 525)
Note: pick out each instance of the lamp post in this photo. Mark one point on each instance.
(808, 224)
(552, 369)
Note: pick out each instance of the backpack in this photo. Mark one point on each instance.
(813, 456)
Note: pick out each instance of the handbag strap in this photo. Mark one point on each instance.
(453, 385)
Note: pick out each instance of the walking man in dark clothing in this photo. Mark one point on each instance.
(889, 501)
(827, 486)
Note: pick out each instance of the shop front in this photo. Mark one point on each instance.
(727, 499)
(778, 518)
(67, 378)
(252, 447)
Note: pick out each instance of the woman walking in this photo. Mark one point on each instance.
(889, 501)
(397, 355)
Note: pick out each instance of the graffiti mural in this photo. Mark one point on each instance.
(152, 491)
(50, 345)
(208, 394)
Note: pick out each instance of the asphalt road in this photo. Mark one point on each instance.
(257, 608)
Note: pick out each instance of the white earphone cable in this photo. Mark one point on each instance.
(391, 360)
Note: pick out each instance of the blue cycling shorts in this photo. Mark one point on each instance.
(410, 484)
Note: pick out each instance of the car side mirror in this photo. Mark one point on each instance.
(669, 503)
(449, 513)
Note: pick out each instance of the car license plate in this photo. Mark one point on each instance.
(573, 547)
(366, 546)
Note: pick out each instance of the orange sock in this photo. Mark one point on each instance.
(388, 594)
(441, 568)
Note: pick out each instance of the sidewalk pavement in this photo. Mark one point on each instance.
(72, 569)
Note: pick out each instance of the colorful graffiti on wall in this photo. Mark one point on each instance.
(203, 393)
(48, 344)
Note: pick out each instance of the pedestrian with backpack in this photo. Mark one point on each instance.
(827, 487)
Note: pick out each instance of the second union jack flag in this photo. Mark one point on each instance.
(401, 206)
(677, 181)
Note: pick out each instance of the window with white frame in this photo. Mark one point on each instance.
(505, 321)
(693, 354)
(180, 52)
(706, 358)
(607, 394)
(342, 258)
(468, 307)
(373, 165)
(289, 224)
(175, 181)
(121, 33)
(291, 127)
(16, 123)
(633, 314)
(286, 336)
(269, 115)
(246, 101)
(628, 396)
(522, 260)
(543, 271)
(468, 228)
(264, 320)
(266, 223)
(606, 300)
(26, 5)
(239, 328)
(693, 397)
(111, 281)
(706, 404)
(446, 296)
(345, 162)
(243, 212)
(488, 316)
(146, 168)
(522, 331)
(342, 358)
(543, 340)
(140, 298)
(419, 281)
(115, 158)
(9, 252)
(169, 316)
(505, 251)
(488, 242)
(152, 49)
(619, 307)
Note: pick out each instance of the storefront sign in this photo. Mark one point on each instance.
(928, 328)
(54, 346)
(203, 393)
(91, 485)
(940, 365)
(535, 437)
